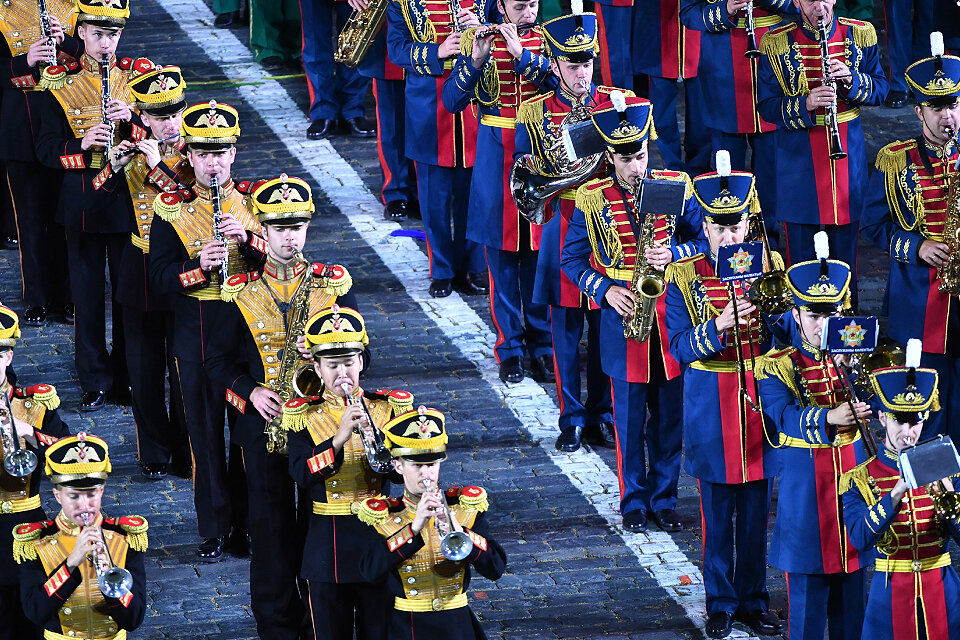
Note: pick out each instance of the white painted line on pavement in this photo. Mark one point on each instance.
(537, 412)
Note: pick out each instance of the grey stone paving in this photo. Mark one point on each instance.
(569, 574)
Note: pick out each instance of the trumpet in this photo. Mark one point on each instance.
(114, 581)
(378, 457)
(830, 112)
(17, 461)
(454, 545)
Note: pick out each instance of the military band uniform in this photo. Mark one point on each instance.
(798, 386)
(511, 243)
(909, 23)
(442, 144)
(20, 497)
(726, 448)
(907, 205)
(148, 314)
(34, 188)
(824, 194)
(615, 37)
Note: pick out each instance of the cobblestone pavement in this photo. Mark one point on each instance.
(572, 572)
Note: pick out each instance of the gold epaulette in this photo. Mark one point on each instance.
(590, 198)
(374, 511)
(777, 260)
(676, 176)
(466, 41)
(24, 537)
(892, 159)
(683, 270)
(45, 394)
(135, 529)
(860, 477)
(294, 413)
(776, 42)
(864, 35)
(531, 111)
(400, 401)
(167, 206)
(779, 364)
(605, 90)
(337, 279)
(472, 498)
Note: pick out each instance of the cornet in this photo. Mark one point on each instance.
(377, 455)
(114, 581)
(17, 461)
(454, 545)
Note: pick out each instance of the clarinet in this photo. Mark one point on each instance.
(45, 29)
(753, 51)
(217, 234)
(104, 100)
(830, 112)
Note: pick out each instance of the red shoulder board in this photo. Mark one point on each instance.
(30, 527)
(131, 521)
(667, 173)
(187, 194)
(299, 402)
(909, 144)
(73, 65)
(34, 390)
(399, 394)
(393, 503)
(170, 198)
(472, 492)
(110, 521)
(377, 505)
(57, 69)
(454, 492)
(141, 65)
(125, 63)
(237, 279)
(63, 57)
(334, 271)
(243, 186)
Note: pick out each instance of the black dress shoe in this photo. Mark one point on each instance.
(601, 434)
(121, 396)
(635, 521)
(895, 99)
(441, 288)
(668, 520)
(320, 128)
(569, 439)
(182, 469)
(10, 243)
(764, 623)
(396, 210)
(224, 20)
(541, 369)
(511, 370)
(211, 549)
(92, 400)
(272, 63)
(357, 127)
(413, 210)
(238, 544)
(719, 624)
(473, 284)
(35, 316)
(64, 311)
(154, 470)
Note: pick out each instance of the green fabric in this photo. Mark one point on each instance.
(275, 29)
(856, 9)
(550, 9)
(225, 6)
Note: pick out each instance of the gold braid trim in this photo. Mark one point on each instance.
(233, 286)
(167, 212)
(400, 406)
(466, 41)
(892, 159)
(864, 35)
(682, 273)
(294, 418)
(778, 365)
(477, 502)
(338, 285)
(860, 477)
(23, 547)
(48, 397)
(777, 261)
(137, 535)
(892, 162)
(590, 198)
(373, 515)
(530, 111)
(53, 78)
(775, 44)
(592, 202)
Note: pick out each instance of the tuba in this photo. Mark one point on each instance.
(949, 273)
(647, 285)
(359, 32)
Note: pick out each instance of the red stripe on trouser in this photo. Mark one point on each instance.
(616, 433)
(387, 174)
(493, 307)
(703, 525)
(605, 73)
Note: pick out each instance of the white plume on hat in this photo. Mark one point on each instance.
(723, 163)
(914, 347)
(821, 245)
(619, 101)
(936, 43)
(576, 7)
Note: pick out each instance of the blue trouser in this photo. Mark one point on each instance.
(653, 443)
(566, 326)
(397, 169)
(616, 63)
(520, 322)
(842, 596)
(696, 137)
(763, 165)
(443, 194)
(735, 584)
(336, 90)
(909, 23)
(948, 388)
(843, 246)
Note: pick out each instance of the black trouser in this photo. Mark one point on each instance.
(336, 609)
(275, 561)
(161, 434)
(219, 490)
(35, 191)
(8, 225)
(89, 254)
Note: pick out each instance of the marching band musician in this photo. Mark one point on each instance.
(425, 41)
(72, 136)
(253, 356)
(817, 420)
(793, 95)
(34, 188)
(906, 214)
(136, 175)
(500, 71)
(571, 43)
(915, 590)
(330, 460)
(185, 260)
(37, 426)
(62, 560)
(425, 544)
(723, 425)
(600, 255)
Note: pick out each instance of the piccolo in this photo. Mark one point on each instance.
(486, 30)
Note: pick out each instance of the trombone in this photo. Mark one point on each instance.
(114, 581)
(17, 461)
(378, 457)
(454, 545)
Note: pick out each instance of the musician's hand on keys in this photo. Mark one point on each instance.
(840, 72)
(842, 416)
(40, 51)
(267, 402)
(658, 255)
(467, 19)
(358, 5)
(509, 32)
(150, 149)
(96, 136)
(88, 540)
(621, 299)
(302, 348)
(211, 254)
(481, 49)
(821, 97)
(726, 320)
(450, 48)
(232, 229)
(119, 111)
(116, 162)
(934, 253)
(56, 30)
(734, 6)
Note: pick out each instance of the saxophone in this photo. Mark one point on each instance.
(359, 32)
(949, 273)
(296, 326)
(647, 285)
